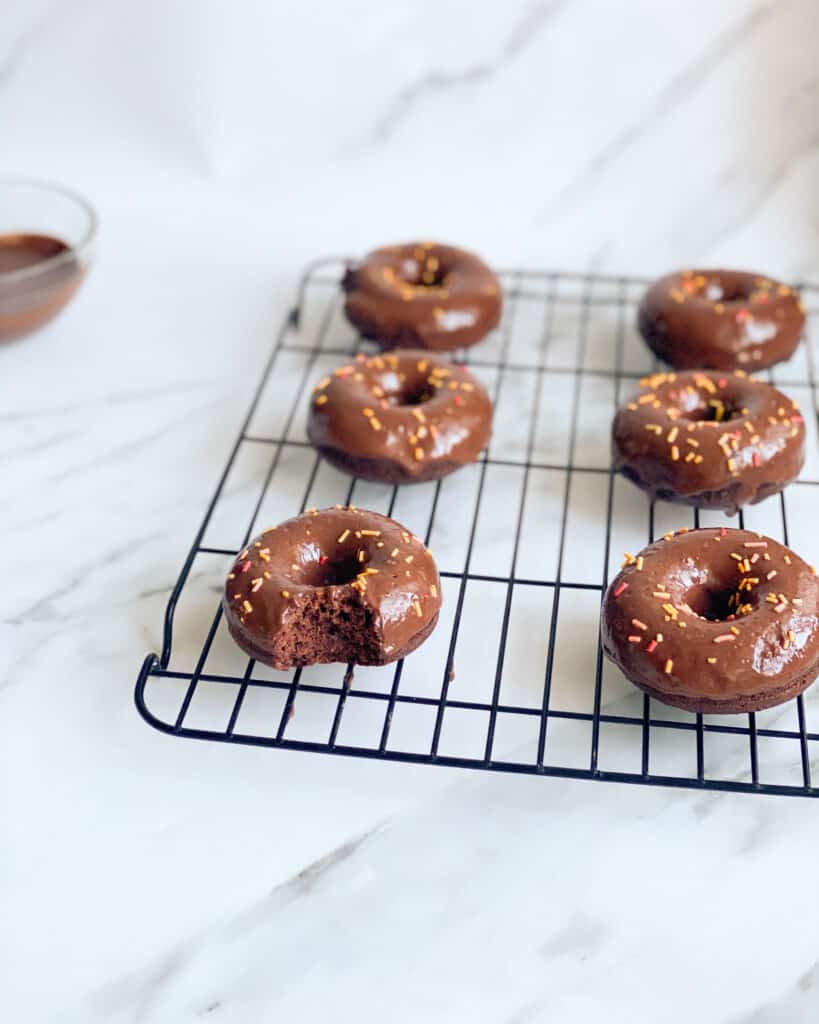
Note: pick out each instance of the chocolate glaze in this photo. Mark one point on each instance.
(403, 417)
(736, 613)
(29, 300)
(708, 439)
(341, 584)
(422, 295)
(721, 319)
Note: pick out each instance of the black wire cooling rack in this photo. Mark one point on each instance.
(513, 679)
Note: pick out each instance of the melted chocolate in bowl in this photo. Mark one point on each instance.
(38, 275)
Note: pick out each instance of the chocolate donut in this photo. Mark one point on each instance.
(403, 417)
(721, 320)
(717, 621)
(422, 295)
(708, 439)
(342, 584)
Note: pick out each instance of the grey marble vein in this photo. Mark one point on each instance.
(522, 35)
(784, 165)
(109, 399)
(43, 444)
(688, 80)
(797, 1005)
(120, 451)
(20, 47)
(44, 610)
(579, 938)
(137, 995)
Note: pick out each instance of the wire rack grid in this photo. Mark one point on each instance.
(526, 540)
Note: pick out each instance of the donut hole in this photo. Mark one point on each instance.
(423, 271)
(717, 604)
(717, 290)
(725, 287)
(406, 390)
(335, 572)
(414, 396)
(711, 410)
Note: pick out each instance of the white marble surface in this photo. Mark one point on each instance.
(146, 879)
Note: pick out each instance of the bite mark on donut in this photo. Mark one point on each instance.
(329, 626)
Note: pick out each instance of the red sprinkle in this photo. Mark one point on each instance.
(323, 559)
(755, 458)
(651, 646)
(722, 382)
(618, 590)
(246, 566)
(723, 532)
(458, 400)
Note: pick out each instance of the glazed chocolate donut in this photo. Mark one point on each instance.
(721, 320)
(422, 295)
(710, 440)
(717, 621)
(403, 417)
(342, 584)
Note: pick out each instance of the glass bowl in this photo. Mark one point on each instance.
(47, 235)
